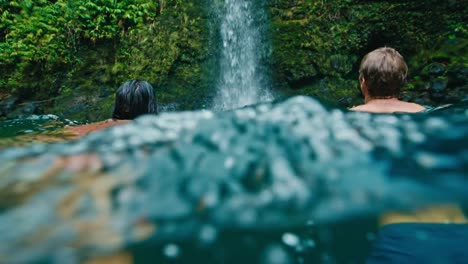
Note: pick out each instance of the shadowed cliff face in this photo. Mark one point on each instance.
(184, 176)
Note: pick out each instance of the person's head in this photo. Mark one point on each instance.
(382, 73)
(134, 98)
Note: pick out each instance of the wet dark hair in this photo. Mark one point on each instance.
(384, 71)
(134, 98)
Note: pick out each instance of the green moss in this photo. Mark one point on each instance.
(98, 46)
(292, 61)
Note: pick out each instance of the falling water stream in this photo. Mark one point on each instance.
(242, 80)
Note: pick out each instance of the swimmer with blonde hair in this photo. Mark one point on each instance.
(382, 74)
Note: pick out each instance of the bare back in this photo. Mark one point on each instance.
(388, 106)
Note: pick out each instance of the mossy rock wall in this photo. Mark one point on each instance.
(318, 44)
(163, 42)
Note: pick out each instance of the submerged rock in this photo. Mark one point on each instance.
(7, 102)
(434, 69)
(191, 176)
(438, 88)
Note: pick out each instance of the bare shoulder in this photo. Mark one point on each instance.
(361, 108)
(408, 107)
(389, 107)
(88, 128)
(416, 107)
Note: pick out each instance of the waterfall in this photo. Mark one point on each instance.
(242, 79)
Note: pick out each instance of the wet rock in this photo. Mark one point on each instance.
(457, 94)
(438, 88)
(6, 104)
(434, 69)
(422, 99)
(407, 97)
(24, 110)
(458, 76)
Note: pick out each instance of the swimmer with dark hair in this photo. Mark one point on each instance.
(132, 99)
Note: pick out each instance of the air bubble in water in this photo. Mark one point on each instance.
(171, 251)
(208, 235)
(290, 239)
(276, 254)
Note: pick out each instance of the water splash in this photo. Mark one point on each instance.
(257, 170)
(241, 81)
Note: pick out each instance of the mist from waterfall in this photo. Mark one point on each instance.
(242, 79)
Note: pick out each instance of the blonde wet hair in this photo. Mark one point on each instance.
(384, 72)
